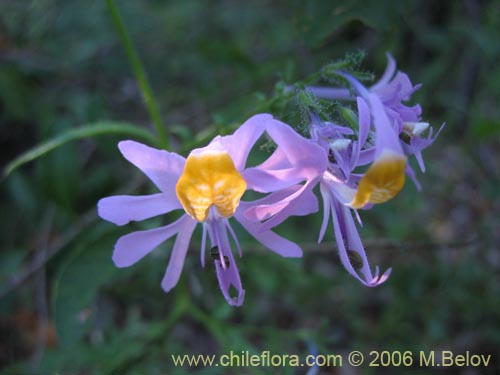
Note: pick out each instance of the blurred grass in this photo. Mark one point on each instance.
(212, 64)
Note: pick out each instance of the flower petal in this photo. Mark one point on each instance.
(265, 181)
(345, 230)
(134, 246)
(364, 128)
(297, 159)
(300, 151)
(326, 211)
(242, 140)
(268, 238)
(386, 137)
(121, 209)
(298, 200)
(388, 74)
(176, 262)
(162, 167)
(228, 275)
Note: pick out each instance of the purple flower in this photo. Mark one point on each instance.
(390, 93)
(337, 155)
(388, 131)
(385, 177)
(393, 89)
(343, 190)
(208, 186)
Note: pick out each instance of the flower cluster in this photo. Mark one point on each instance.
(209, 184)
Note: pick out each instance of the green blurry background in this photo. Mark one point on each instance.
(65, 308)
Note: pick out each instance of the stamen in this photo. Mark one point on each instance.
(214, 253)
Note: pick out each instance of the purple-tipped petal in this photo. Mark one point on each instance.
(388, 73)
(122, 209)
(162, 167)
(345, 228)
(134, 246)
(228, 275)
(178, 255)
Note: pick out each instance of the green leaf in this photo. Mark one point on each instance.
(85, 131)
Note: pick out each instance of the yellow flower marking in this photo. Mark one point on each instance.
(383, 180)
(210, 178)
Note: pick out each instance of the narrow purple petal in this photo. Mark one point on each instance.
(162, 167)
(306, 158)
(203, 246)
(366, 156)
(121, 209)
(411, 173)
(134, 246)
(178, 255)
(302, 202)
(418, 144)
(229, 276)
(345, 228)
(276, 243)
(326, 211)
(265, 181)
(386, 138)
(235, 239)
(364, 122)
(299, 150)
(239, 144)
(277, 160)
(388, 73)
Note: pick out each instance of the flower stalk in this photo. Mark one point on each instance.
(139, 72)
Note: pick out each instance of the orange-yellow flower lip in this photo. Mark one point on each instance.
(210, 178)
(382, 181)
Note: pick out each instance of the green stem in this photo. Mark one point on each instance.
(139, 72)
(85, 131)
